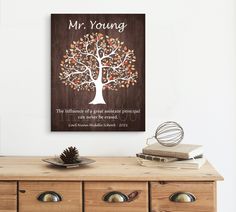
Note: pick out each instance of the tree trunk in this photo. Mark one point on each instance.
(98, 99)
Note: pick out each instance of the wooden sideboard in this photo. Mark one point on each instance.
(112, 184)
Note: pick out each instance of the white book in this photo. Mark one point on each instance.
(180, 164)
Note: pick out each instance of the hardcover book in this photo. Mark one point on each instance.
(182, 151)
(181, 164)
(156, 158)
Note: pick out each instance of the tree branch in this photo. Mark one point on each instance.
(86, 67)
(119, 78)
(111, 53)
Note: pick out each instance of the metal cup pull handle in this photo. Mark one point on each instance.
(49, 196)
(115, 196)
(119, 197)
(182, 197)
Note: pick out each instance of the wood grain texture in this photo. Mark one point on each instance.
(8, 192)
(203, 191)
(94, 192)
(104, 169)
(71, 193)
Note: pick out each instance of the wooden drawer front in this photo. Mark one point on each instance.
(95, 191)
(8, 196)
(203, 191)
(70, 192)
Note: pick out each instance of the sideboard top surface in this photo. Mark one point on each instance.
(104, 169)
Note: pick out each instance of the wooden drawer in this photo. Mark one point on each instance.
(204, 193)
(70, 193)
(96, 191)
(8, 196)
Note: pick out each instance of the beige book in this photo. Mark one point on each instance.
(181, 164)
(183, 151)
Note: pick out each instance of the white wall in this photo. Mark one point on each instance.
(191, 78)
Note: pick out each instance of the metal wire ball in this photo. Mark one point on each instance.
(169, 134)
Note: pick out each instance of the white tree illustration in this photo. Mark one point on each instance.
(97, 62)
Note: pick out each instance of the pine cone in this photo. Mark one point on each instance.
(70, 155)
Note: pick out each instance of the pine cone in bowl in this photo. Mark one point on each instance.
(70, 155)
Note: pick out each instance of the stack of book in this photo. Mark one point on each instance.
(186, 156)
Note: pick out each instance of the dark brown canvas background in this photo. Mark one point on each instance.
(63, 97)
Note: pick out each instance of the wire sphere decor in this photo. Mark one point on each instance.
(168, 134)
